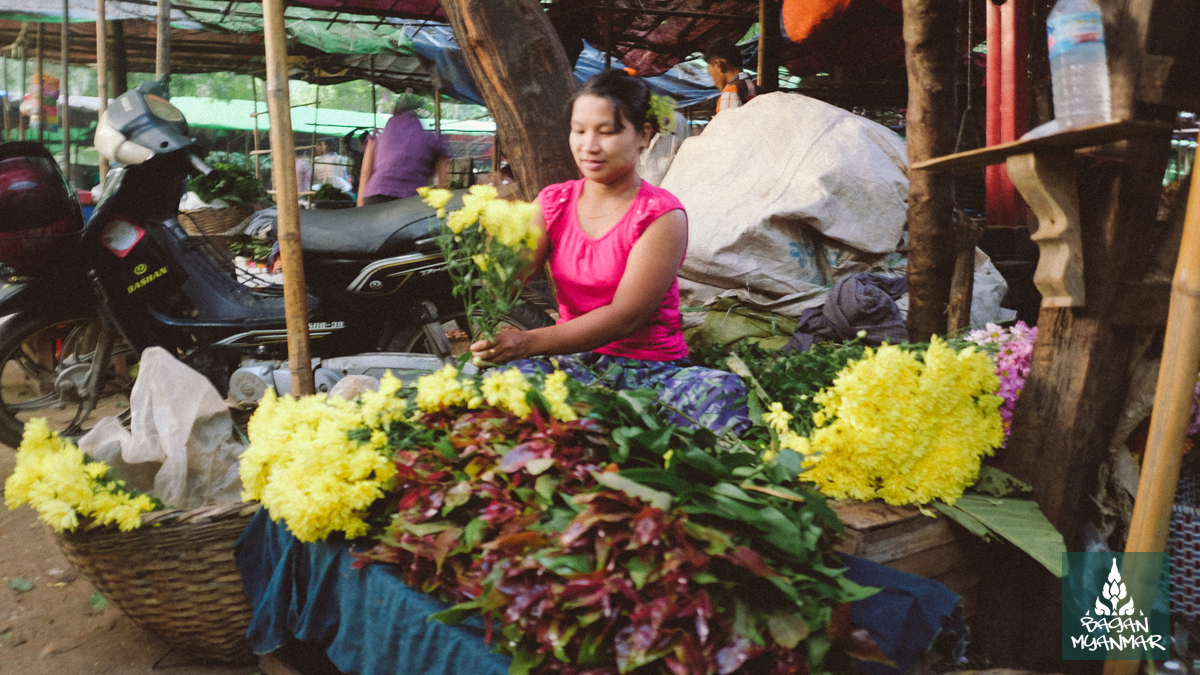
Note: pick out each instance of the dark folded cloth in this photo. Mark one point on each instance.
(905, 616)
(859, 302)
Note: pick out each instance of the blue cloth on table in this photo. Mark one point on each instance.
(376, 622)
(906, 616)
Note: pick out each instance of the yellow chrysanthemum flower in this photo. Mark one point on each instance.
(307, 470)
(506, 390)
(904, 430)
(443, 389)
(435, 198)
(555, 393)
(481, 261)
(53, 476)
(508, 222)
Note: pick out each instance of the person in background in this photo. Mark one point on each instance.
(329, 168)
(402, 157)
(725, 68)
(615, 244)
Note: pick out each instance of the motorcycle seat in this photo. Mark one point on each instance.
(370, 232)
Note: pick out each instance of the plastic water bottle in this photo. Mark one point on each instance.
(1078, 64)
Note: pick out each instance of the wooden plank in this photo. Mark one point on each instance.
(866, 516)
(932, 563)
(903, 539)
(1084, 137)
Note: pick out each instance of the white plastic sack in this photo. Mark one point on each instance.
(181, 445)
(784, 196)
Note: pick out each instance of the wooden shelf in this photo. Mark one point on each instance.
(1084, 137)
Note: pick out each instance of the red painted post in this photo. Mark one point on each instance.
(1007, 102)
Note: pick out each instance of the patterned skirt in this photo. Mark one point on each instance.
(714, 398)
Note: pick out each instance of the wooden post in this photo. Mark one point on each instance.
(120, 60)
(963, 286)
(768, 46)
(162, 54)
(4, 64)
(65, 89)
(38, 85)
(1173, 397)
(102, 74)
(523, 74)
(23, 38)
(257, 161)
(608, 34)
(283, 162)
(930, 39)
(437, 113)
(1073, 397)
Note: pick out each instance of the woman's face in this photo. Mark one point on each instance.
(601, 152)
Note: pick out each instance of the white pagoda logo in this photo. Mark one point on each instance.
(1113, 592)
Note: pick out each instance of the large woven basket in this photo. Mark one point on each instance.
(175, 576)
(209, 222)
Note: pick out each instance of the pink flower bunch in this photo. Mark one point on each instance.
(1013, 358)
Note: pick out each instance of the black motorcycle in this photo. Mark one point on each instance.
(80, 302)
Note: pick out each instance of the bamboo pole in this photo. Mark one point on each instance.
(283, 162)
(102, 74)
(65, 88)
(162, 58)
(38, 88)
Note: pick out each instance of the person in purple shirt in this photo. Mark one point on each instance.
(402, 157)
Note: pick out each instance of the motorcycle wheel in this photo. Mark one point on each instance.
(40, 349)
(522, 317)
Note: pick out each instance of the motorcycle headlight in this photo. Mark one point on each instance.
(111, 144)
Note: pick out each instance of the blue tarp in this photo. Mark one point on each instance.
(437, 48)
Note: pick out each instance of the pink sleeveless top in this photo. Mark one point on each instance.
(587, 270)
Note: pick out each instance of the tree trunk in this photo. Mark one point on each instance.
(523, 74)
(930, 46)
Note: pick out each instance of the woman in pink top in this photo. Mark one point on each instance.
(615, 244)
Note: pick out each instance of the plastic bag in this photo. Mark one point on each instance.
(181, 445)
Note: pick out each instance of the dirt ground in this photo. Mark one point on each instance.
(52, 628)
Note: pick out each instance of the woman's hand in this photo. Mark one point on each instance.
(509, 345)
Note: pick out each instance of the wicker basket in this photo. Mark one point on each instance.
(1183, 544)
(209, 222)
(175, 577)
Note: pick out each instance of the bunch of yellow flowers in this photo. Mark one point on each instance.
(487, 244)
(503, 389)
(308, 469)
(903, 429)
(57, 480)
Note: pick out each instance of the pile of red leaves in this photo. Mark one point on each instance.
(587, 572)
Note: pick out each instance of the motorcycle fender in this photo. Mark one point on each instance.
(18, 296)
